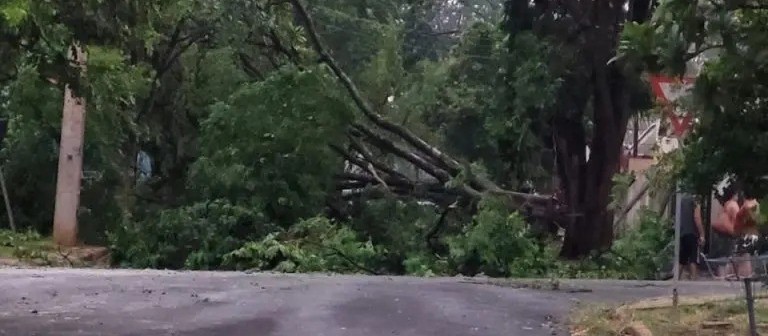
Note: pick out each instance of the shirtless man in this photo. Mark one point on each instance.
(724, 230)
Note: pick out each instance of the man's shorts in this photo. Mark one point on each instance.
(689, 249)
(721, 245)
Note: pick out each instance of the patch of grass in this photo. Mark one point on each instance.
(596, 320)
(26, 246)
(31, 249)
(731, 317)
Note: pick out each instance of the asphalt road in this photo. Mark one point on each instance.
(66, 302)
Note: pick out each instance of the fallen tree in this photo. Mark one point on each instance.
(611, 95)
(450, 175)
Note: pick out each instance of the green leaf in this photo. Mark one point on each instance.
(14, 11)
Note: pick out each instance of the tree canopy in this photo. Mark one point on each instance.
(727, 42)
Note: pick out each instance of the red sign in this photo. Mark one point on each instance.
(669, 90)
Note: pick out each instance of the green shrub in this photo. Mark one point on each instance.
(499, 243)
(194, 237)
(639, 253)
(422, 264)
(312, 245)
(10, 238)
(401, 227)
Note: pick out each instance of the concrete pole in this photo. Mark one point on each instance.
(70, 161)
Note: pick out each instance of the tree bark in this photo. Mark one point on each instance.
(68, 181)
(592, 227)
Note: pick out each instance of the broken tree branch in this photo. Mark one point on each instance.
(450, 164)
(440, 197)
(380, 141)
(632, 202)
(366, 165)
(360, 148)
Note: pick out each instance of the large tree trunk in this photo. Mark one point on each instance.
(68, 181)
(591, 227)
(586, 185)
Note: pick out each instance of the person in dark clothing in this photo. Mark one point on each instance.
(691, 235)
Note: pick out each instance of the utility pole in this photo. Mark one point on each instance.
(70, 160)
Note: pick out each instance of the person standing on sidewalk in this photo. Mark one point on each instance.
(691, 235)
(723, 229)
